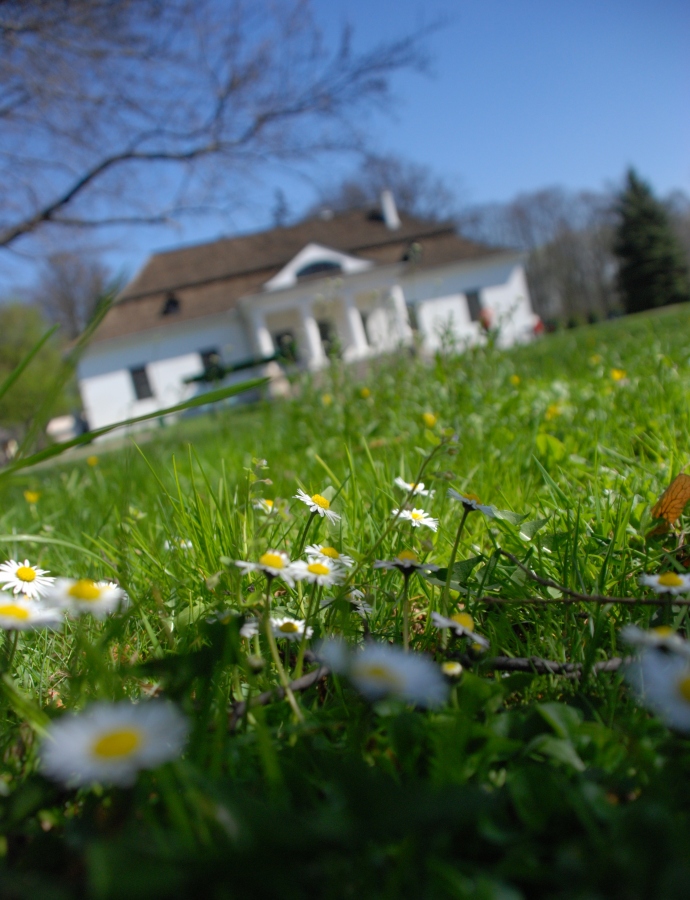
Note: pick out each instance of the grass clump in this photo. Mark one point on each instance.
(483, 776)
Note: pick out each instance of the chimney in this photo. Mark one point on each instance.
(389, 210)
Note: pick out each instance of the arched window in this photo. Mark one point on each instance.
(320, 267)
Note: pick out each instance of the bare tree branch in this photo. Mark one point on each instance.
(196, 91)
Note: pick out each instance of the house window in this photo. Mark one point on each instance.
(474, 304)
(171, 306)
(320, 268)
(141, 384)
(209, 358)
(286, 346)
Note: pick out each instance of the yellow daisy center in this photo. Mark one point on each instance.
(272, 561)
(268, 502)
(25, 573)
(85, 589)
(464, 619)
(684, 688)
(379, 673)
(122, 742)
(330, 552)
(472, 497)
(318, 569)
(321, 501)
(13, 611)
(416, 516)
(670, 579)
(663, 631)
(451, 668)
(288, 628)
(407, 556)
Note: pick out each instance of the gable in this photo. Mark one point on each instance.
(313, 260)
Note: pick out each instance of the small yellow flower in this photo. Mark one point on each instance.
(552, 412)
(365, 393)
(32, 496)
(92, 461)
(618, 374)
(327, 399)
(429, 419)
(514, 380)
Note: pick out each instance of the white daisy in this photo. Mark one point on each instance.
(319, 570)
(292, 629)
(415, 487)
(661, 681)
(273, 563)
(263, 505)
(77, 596)
(382, 670)
(663, 638)
(406, 562)
(108, 743)
(462, 624)
(417, 517)
(23, 578)
(178, 543)
(330, 552)
(668, 583)
(451, 668)
(250, 628)
(318, 504)
(25, 615)
(471, 502)
(356, 598)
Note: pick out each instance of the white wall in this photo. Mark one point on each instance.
(439, 299)
(446, 319)
(227, 333)
(170, 355)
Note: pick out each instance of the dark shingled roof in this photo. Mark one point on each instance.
(209, 279)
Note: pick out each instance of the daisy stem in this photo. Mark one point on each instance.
(303, 538)
(11, 650)
(406, 611)
(449, 574)
(270, 637)
(315, 594)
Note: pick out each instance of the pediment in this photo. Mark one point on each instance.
(316, 260)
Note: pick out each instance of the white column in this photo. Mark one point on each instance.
(315, 358)
(262, 336)
(358, 346)
(397, 300)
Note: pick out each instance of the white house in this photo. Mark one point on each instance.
(357, 283)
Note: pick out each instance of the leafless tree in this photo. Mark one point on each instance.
(567, 239)
(107, 106)
(69, 288)
(417, 189)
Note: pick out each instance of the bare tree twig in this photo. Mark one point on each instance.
(239, 709)
(530, 664)
(538, 666)
(575, 597)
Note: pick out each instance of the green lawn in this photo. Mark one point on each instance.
(520, 785)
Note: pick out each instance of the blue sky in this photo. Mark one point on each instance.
(542, 92)
(522, 95)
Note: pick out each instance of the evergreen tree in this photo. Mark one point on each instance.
(652, 270)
